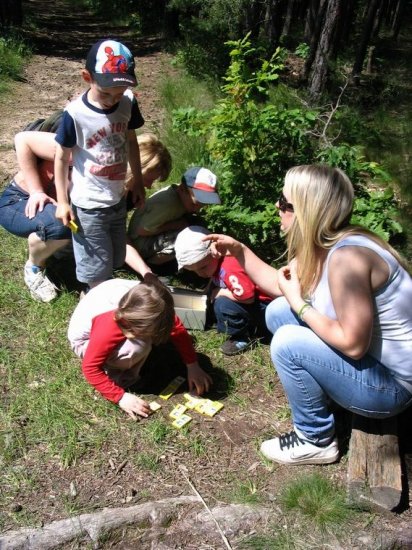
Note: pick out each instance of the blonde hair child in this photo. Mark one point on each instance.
(113, 329)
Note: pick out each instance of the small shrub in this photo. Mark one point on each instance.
(302, 50)
(378, 213)
(253, 134)
(251, 144)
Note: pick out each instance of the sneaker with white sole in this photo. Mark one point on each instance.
(41, 288)
(233, 347)
(289, 448)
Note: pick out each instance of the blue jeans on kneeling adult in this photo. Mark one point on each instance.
(240, 321)
(311, 371)
(13, 202)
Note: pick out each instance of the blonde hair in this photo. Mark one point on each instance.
(153, 154)
(147, 312)
(322, 198)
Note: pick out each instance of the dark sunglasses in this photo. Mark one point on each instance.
(284, 205)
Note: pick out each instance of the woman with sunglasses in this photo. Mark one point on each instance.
(342, 325)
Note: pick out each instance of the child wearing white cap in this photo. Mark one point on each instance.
(238, 304)
(153, 230)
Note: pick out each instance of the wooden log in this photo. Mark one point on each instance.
(374, 470)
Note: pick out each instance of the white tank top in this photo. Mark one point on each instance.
(391, 342)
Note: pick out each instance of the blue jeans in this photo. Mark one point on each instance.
(13, 202)
(100, 243)
(312, 372)
(240, 321)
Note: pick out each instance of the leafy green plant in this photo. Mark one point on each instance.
(302, 50)
(250, 142)
(373, 209)
(253, 134)
(377, 211)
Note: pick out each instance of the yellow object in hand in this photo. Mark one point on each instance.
(73, 226)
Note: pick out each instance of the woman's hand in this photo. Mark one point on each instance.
(199, 382)
(133, 405)
(223, 245)
(290, 286)
(37, 201)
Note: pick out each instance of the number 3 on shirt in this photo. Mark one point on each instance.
(237, 288)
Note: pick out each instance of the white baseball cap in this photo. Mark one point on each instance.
(203, 183)
(189, 246)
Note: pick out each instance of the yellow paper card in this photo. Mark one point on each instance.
(171, 388)
(178, 411)
(181, 421)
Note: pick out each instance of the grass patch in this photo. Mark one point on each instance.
(317, 500)
(13, 56)
(278, 540)
(179, 90)
(156, 432)
(147, 461)
(246, 492)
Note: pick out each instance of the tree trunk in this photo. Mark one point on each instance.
(391, 13)
(348, 18)
(288, 19)
(396, 27)
(310, 24)
(320, 69)
(314, 39)
(379, 18)
(374, 468)
(366, 34)
(171, 23)
(274, 21)
(253, 19)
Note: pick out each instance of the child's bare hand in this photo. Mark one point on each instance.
(138, 195)
(199, 382)
(133, 405)
(64, 213)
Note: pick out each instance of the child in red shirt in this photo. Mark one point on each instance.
(113, 328)
(238, 304)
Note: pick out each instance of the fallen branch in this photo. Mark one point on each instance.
(155, 513)
(227, 543)
(155, 518)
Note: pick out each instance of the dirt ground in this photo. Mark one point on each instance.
(52, 78)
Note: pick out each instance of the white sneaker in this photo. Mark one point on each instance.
(41, 288)
(291, 449)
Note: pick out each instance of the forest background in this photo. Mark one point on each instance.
(248, 88)
(285, 83)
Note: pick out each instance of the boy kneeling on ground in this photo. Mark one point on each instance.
(238, 304)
